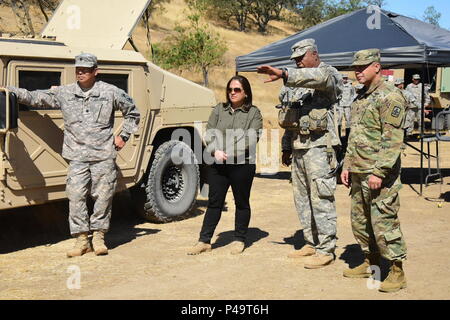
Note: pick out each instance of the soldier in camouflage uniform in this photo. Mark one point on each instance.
(343, 107)
(317, 87)
(410, 107)
(372, 168)
(415, 88)
(88, 108)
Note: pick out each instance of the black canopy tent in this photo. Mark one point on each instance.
(404, 43)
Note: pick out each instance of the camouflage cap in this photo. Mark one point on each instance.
(416, 77)
(365, 57)
(399, 81)
(86, 60)
(300, 48)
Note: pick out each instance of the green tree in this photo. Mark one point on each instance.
(231, 11)
(263, 11)
(194, 47)
(379, 3)
(431, 15)
(312, 12)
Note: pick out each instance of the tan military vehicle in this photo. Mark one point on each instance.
(32, 170)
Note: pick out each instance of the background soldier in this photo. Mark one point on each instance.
(416, 89)
(311, 147)
(410, 107)
(372, 167)
(89, 144)
(343, 107)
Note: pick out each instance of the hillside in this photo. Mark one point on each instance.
(163, 24)
(265, 95)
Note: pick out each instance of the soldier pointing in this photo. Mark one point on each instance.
(315, 87)
(90, 146)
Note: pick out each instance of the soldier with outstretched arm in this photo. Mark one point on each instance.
(310, 147)
(90, 146)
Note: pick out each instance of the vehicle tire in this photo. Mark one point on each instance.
(173, 182)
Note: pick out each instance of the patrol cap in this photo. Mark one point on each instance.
(365, 57)
(344, 75)
(87, 60)
(416, 76)
(399, 81)
(300, 48)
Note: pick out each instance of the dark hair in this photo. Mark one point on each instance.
(247, 89)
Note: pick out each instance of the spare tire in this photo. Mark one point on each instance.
(173, 182)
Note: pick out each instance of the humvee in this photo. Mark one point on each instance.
(32, 170)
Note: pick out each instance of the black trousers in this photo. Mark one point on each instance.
(220, 178)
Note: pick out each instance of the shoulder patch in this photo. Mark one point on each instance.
(395, 113)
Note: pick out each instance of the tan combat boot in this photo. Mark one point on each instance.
(81, 246)
(318, 260)
(237, 247)
(305, 251)
(396, 278)
(199, 248)
(98, 242)
(363, 270)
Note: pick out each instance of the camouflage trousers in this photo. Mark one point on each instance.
(101, 178)
(418, 113)
(375, 223)
(344, 112)
(314, 197)
(409, 121)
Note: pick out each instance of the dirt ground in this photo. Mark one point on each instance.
(148, 261)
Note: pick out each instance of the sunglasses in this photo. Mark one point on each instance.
(235, 90)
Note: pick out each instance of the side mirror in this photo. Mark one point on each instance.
(9, 112)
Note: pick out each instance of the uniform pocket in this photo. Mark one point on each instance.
(104, 113)
(326, 187)
(393, 235)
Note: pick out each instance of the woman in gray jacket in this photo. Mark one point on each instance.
(232, 134)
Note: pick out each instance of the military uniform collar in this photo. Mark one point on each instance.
(93, 92)
(374, 86)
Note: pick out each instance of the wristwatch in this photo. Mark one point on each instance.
(124, 138)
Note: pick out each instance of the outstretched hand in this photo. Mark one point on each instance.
(274, 73)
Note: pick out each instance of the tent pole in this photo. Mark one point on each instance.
(422, 123)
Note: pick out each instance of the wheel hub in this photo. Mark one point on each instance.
(172, 183)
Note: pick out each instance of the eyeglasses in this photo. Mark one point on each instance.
(235, 90)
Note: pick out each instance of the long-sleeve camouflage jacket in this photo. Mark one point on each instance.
(347, 96)
(376, 134)
(324, 85)
(410, 100)
(88, 117)
(416, 91)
